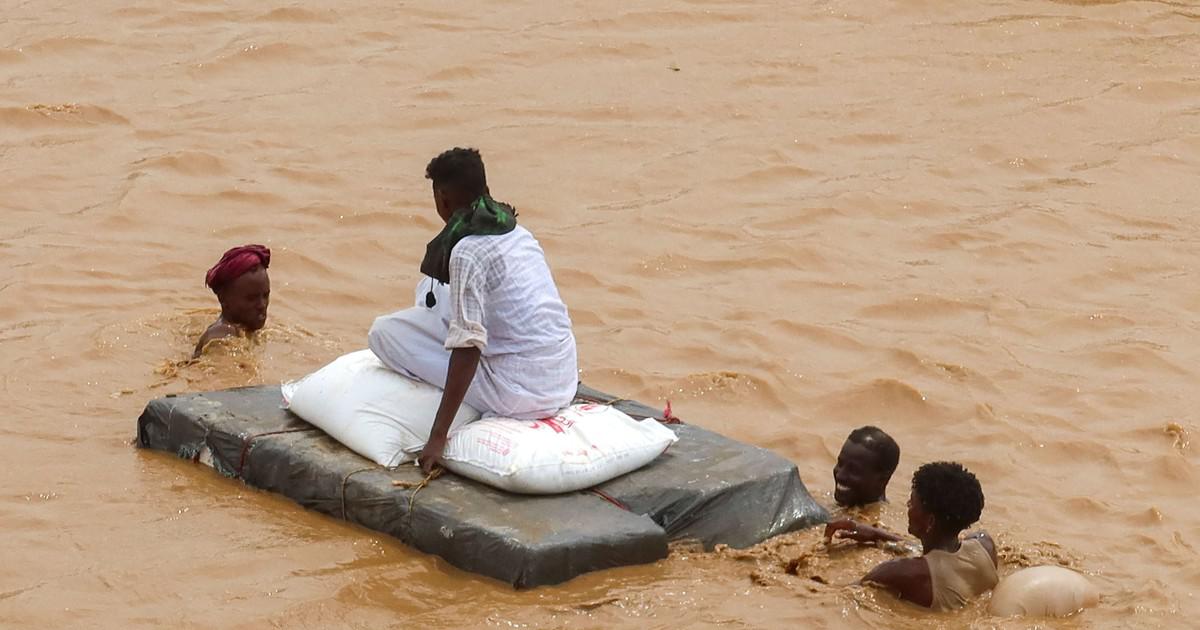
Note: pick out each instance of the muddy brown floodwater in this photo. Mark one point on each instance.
(971, 223)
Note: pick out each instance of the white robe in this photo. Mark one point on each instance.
(502, 300)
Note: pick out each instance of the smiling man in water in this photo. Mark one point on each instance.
(864, 467)
(503, 342)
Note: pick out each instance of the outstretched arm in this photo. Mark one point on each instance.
(861, 532)
(463, 364)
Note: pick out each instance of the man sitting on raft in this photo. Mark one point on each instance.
(864, 467)
(945, 500)
(243, 289)
(505, 344)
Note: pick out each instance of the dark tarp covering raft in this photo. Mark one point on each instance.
(706, 488)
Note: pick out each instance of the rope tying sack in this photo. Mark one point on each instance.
(346, 480)
(610, 499)
(248, 442)
(417, 486)
(667, 416)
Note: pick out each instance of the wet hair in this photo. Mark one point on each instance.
(950, 493)
(881, 445)
(460, 170)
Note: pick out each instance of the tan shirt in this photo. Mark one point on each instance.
(960, 576)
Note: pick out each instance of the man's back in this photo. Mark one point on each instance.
(503, 283)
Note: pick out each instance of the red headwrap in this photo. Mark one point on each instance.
(236, 262)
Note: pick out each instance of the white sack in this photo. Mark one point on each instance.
(374, 411)
(582, 446)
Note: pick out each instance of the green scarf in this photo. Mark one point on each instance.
(484, 217)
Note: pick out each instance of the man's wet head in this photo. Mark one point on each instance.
(868, 458)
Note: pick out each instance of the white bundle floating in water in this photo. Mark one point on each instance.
(1045, 591)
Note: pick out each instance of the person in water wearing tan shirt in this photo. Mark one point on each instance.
(946, 499)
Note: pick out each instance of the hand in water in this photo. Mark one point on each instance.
(842, 528)
(846, 528)
(431, 455)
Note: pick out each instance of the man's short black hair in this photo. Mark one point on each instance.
(460, 170)
(885, 449)
(950, 493)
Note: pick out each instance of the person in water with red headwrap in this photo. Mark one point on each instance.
(240, 281)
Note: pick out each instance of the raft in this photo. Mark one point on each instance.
(706, 488)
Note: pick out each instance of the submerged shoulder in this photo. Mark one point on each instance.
(219, 329)
(906, 578)
(985, 541)
(900, 569)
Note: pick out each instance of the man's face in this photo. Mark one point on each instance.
(920, 522)
(856, 476)
(244, 301)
